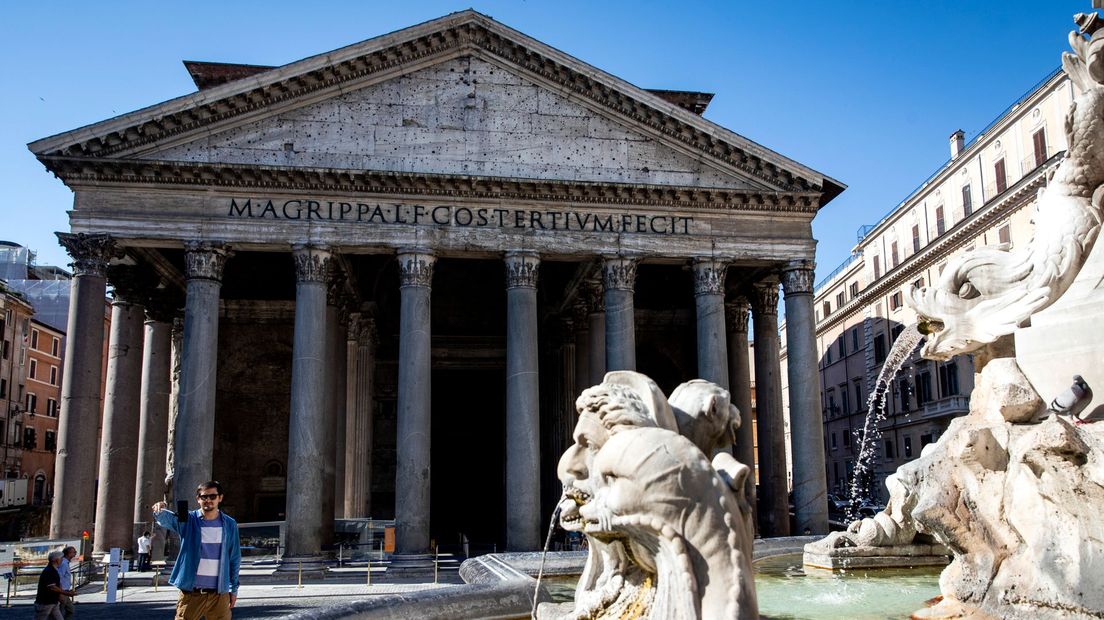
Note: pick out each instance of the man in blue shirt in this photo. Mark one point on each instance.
(206, 569)
(65, 571)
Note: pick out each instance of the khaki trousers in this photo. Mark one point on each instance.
(194, 606)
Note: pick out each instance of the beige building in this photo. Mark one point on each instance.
(983, 196)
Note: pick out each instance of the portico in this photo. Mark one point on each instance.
(401, 262)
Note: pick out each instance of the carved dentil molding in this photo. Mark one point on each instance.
(205, 259)
(797, 278)
(416, 268)
(619, 272)
(522, 269)
(765, 296)
(90, 253)
(737, 311)
(312, 263)
(709, 276)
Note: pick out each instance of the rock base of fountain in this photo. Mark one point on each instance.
(821, 556)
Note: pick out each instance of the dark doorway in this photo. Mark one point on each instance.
(469, 427)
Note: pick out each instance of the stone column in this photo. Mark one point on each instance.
(619, 278)
(174, 403)
(806, 425)
(739, 385)
(78, 423)
(361, 347)
(773, 504)
(522, 404)
(122, 401)
(412, 478)
(308, 425)
(194, 436)
(331, 400)
(339, 380)
(709, 291)
(153, 427)
(596, 325)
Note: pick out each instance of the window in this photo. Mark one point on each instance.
(50, 441)
(827, 308)
(908, 446)
(895, 300)
(858, 394)
(33, 372)
(916, 238)
(843, 345)
(877, 268)
(833, 441)
(893, 253)
(55, 347)
(7, 349)
(854, 290)
(846, 439)
(940, 224)
(841, 297)
(51, 408)
(835, 470)
(919, 283)
(1004, 235)
(879, 348)
(889, 449)
(923, 388)
(845, 403)
(903, 389)
(828, 355)
(32, 402)
(30, 442)
(967, 202)
(1038, 139)
(34, 339)
(998, 173)
(855, 339)
(948, 378)
(833, 408)
(53, 375)
(3, 388)
(896, 332)
(926, 439)
(17, 433)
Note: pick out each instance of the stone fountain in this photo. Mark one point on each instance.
(1015, 489)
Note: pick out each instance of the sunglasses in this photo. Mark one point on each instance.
(207, 496)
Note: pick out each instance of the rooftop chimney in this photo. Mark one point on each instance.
(958, 143)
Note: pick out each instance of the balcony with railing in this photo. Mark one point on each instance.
(948, 406)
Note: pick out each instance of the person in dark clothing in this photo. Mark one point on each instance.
(47, 601)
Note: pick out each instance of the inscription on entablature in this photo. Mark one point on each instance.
(458, 216)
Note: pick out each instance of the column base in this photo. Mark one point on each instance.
(411, 565)
(313, 566)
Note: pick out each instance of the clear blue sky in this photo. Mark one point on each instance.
(865, 92)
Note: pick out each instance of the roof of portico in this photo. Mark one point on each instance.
(261, 90)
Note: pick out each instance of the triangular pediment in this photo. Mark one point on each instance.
(464, 116)
(396, 103)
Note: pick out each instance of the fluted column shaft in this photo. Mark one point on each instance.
(307, 428)
(739, 372)
(194, 436)
(709, 283)
(619, 278)
(78, 424)
(806, 426)
(412, 478)
(522, 404)
(773, 508)
(596, 326)
(153, 428)
(361, 347)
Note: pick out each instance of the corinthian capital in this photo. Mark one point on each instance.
(797, 277)
(205, 259)
(709, 276)
(737, 313)
(90, 253)
(522, 269)
(619, 272)
(765, 296)
(312, 263)
(596, 302)
(416, 268)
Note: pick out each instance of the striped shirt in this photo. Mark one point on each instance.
(210, 550)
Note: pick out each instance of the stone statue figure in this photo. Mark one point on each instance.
(989, 292)
(630, 568)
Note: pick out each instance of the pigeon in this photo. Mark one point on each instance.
(1074, 400)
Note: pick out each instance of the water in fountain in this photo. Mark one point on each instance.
(902, 349)
(547, 543)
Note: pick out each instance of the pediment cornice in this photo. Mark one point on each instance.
(75, 171)
(464, 33)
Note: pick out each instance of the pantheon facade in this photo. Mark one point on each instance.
(371, 283)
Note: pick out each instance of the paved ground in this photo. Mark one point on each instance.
(255, 600)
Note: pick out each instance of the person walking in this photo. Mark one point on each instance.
(206, 568)
(144, 544)
(65, 573)
(47, 599)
